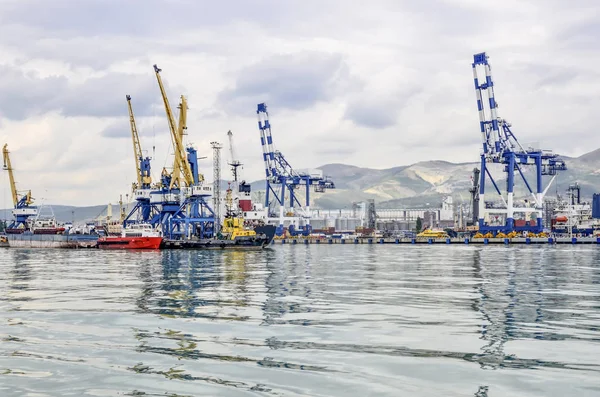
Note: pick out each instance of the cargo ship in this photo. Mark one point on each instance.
(46, 232)
(133, 237)
(27, 239)
(258, 238)
(573, 216)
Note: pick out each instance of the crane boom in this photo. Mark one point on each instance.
(137, 147)
(11, 177)
(180, 157)
(26, 199)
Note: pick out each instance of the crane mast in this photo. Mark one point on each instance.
(180, 156)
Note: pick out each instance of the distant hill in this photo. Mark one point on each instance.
(66, 213)
(404, 186)
(429, 181)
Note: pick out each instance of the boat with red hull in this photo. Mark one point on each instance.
(134, 237)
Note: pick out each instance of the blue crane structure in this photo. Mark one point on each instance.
(143, 211)
(183, 195)
(280, 176)
(500, 146)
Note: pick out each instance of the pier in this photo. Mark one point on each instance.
(464, 241)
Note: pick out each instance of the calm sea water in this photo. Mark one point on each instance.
(302, 321)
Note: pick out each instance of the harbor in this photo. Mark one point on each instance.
(299, 198)
(183, 209)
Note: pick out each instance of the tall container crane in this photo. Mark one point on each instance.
(143, 210)
(184, 208)
(500, 146)
(281, 177)
(23, 208)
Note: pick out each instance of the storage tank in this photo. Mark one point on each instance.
(341, 224)
(330, 222)
(318, 223)
(352, 224)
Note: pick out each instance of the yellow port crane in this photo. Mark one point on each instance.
(26, 199)
(144, 179)
(181, 166)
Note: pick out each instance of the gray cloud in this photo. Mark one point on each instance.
(26, 94)
(381, 111)
(292, 81)
(372, 114)
(154, 18)
(118, 129)
(340, 70)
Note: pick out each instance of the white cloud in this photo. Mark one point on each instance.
(378, 86)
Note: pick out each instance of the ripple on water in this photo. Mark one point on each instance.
(301, 320)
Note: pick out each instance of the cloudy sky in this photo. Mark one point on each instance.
(375, 84)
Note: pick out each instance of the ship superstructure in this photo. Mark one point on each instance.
(573, 216)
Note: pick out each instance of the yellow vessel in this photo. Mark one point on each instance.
(233, 227)
(433, 234)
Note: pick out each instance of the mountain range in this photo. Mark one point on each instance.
(430, 181)
(416, 185)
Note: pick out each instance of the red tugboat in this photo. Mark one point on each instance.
(133, 237)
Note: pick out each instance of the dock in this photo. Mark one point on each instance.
(467, 241)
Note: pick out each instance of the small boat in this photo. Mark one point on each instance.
(234, 234)
(430, 233)
(137, 236)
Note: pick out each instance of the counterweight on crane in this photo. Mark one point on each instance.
(23, 208)
(500, 146)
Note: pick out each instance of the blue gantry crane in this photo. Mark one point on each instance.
(500, 146)
(281, 177)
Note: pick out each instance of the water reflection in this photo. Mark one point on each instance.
(289, 288)
(482, 391)
(530, 296)
(302, 320)
(20, 276)
(211, 286)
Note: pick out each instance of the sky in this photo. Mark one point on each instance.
(379, 85)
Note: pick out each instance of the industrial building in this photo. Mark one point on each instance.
(349, 219)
